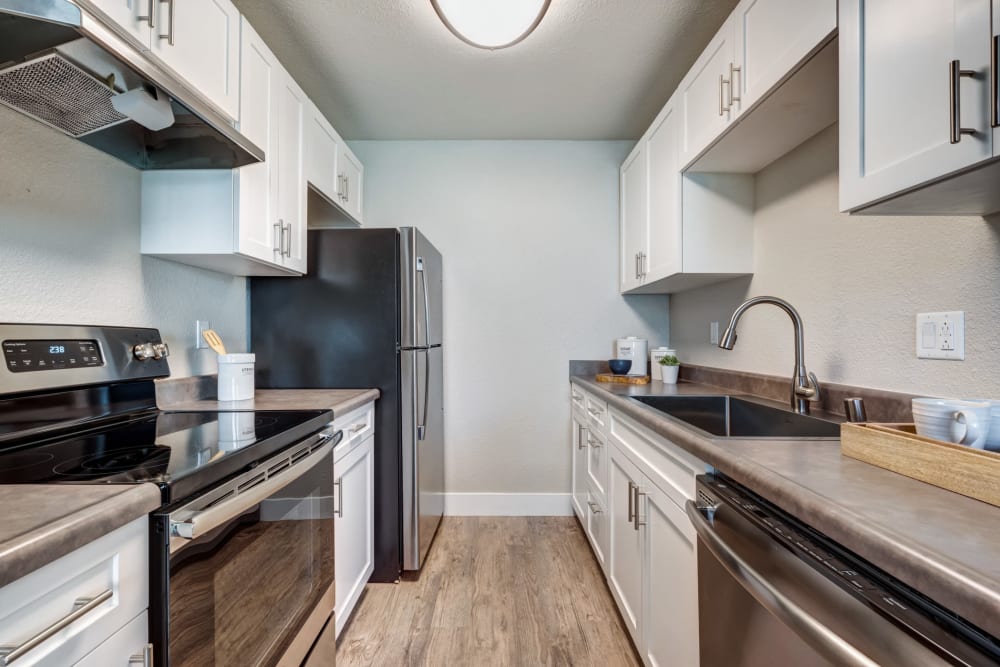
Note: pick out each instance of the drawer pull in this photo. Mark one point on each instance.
(637, 521)
(145, 659)
(340, 498)
(595, 413)
(631, 501)
(580, 440)
(358, 427)
(594, 507)
(81, 607)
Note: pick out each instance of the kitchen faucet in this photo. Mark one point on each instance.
(805, 386)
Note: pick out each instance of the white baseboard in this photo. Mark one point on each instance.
(508, 504)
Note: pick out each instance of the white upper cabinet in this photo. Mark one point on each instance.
(664, 183)
(634, 217)
(200, 41)
(351, 176)
(772, 37)
(705, 94)
(915, 80)
(133, 18)
(333, 170)
(292, 106)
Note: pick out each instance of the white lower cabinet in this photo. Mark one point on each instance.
(354, 507)
(638, 529)
(105, 582)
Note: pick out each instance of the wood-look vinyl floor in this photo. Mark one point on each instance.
(517, 591)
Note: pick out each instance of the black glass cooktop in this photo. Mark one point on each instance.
(182, 452)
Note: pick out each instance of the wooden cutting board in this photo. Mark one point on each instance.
(623, 379)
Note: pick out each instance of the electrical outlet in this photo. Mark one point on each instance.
(941, 335)
(199, 340)
(713, 333)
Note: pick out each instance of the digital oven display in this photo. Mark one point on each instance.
(23, 356)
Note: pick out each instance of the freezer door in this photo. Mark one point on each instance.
(423, 452)
(421, 291)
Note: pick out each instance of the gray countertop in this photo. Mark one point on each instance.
(341, 401)
(942, 544)
(43, 522)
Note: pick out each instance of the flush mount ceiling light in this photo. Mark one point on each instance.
(491, 24)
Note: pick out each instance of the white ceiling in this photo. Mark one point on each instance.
(389, 69)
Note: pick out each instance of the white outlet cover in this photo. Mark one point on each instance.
(713, 333)
(941, 335)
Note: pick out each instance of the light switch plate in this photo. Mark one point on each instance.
(199, 326)
(941, 335)
(713, 333)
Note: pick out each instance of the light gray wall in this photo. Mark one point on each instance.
(858, 282)
(69, 249)
(529, 234)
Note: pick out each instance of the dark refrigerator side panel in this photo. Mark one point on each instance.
(338, 327)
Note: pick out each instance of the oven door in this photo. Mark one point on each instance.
(246, 571)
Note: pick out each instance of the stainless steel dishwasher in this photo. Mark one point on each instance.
(772, 591)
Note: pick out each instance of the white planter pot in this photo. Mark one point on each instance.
(670, 374)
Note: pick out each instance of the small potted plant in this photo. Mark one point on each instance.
(670, 367)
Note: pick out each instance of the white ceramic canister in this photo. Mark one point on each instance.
(236, 377)
(655, 355)
(635, 349)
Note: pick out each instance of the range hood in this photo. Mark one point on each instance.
(63, 67)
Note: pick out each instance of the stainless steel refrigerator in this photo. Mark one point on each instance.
(368, 314)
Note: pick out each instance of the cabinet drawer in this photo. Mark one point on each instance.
(597, 464)
(667, 465)
(356, 425)
(114, 567)
(578, 399)
(128, 643)
(597, 414)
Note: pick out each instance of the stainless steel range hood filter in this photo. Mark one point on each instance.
(56, 92)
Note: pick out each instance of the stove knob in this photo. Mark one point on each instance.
(144, 351)
(160, 350)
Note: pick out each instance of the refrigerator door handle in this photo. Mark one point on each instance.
(422, 276)
(422, 424)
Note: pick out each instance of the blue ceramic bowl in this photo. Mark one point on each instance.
(620, 366)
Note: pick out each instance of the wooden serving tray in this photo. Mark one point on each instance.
(897, 447)
(623, 379)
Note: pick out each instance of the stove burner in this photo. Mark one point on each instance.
(151, 458)
(21, 460)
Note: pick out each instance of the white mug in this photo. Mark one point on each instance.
(993, 436)
(962, 422)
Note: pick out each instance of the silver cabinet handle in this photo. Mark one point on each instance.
(636, 521)
(358, 427)
(594, 442)
(145, 658)
(288, 246)
(643, 264)
(631, 501)
(148, 18)
(170, 22)
(340, 497)
(340, 187)
(581, 440)
(594, 507)
(81, 607)
(347, 188)
(279, 237)
(722, 106)
(995, 82)
(813, 631)
(577, 397)
(733, 94)
(955, 74)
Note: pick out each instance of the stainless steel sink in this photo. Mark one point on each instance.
(733, 417)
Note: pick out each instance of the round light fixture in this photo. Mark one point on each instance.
(491, 24)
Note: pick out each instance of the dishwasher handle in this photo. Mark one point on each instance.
(824, 640)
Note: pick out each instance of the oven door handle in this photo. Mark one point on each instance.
(824, 640)
(198, 523)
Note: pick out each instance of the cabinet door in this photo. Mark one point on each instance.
(704, 95)
(626, 544)
(258, 186)
(597, 464)
(354, 541)
(321, 155)
(292, 105)
(579, 470)
(134, 18)
(772, 37)
(896, 98)
(597, 529)
(353, 175)
(670, 572)
(200, 41)
(634, 216)
(664, 196)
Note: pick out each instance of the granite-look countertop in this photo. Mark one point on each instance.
(942, 544)
(341, 401)
(43, 522)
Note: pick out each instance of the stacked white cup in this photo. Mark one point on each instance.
(972, 423)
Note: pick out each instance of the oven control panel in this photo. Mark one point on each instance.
(26, 356)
